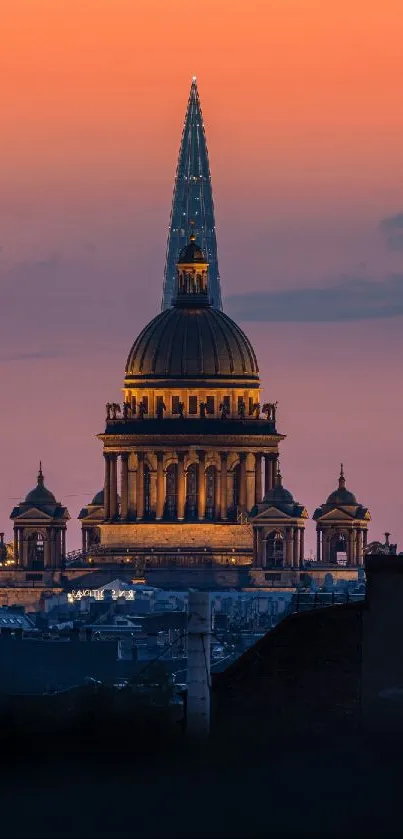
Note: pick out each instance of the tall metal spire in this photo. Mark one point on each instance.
(192, 203)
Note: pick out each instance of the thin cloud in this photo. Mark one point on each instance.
(392, 231)
(351, 298)
(32, 356)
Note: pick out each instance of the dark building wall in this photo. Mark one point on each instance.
(382, 659)
(34, 666)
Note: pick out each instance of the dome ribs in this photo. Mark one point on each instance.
(186, 342)
(161, 343)
(213, 342)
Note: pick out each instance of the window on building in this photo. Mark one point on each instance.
(250, 405)
(133, 404)
(175, 404)
(159, 402)
(145, 403)
(227, 402)
(210, 404)
(192, 404)
(241, 403)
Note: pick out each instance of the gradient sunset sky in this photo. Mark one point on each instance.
(302, 107)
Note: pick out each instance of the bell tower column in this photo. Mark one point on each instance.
(318, 557)
(301, 547)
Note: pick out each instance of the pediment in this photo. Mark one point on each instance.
(270, 513)
(34, 513)
(337, 515)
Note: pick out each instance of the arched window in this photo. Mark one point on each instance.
(147, 491)
(338, 549)
(36, 551)
(275, 550)
(191, 492)
(211, 477)
(171, 503)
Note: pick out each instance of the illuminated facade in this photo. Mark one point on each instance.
(192, 204)
(188, 448)
(39, 530)
(341, 528)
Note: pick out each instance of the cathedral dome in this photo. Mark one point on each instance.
(341, 496)
(40, 495)
(187, 341)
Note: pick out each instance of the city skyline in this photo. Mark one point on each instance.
(314, 151)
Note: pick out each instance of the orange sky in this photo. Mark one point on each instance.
(302, 105)
(78, 77)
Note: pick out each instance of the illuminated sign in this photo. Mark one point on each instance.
(99, 594)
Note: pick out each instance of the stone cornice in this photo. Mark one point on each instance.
(117, 442)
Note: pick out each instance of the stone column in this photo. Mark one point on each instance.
(140, 486)
(274, 469)
(258, 478)
(52, 547)
(160, 487)
(217, 494)
(301, 547)
(318, 551)
(350, 549)
(325, 545)
(21, 547)
(16, 552)
(360, 548)
(181, 486)
(201, 488)
(107, 487)
(295, 558)
(288, 547)
(242, 481)
(223, 486)
(268, 473)
(47, 558)
(124, 488)
(114, 486)
(250, 480)
(132, 481)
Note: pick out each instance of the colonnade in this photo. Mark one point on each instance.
(54, 545)
(292, 536)
(246, 471)
(355, 542)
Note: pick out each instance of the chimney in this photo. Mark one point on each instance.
(198, 665)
